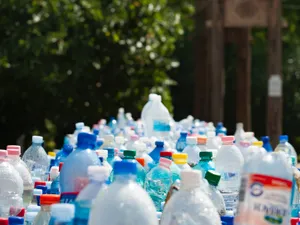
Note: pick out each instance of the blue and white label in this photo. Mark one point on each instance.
(161, 126)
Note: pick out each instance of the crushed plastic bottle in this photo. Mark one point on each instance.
(193, 151)
(62, 214)
(36, 158)
(124, 198)
(190, 206)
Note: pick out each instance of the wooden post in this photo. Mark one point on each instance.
(274, 110)
(243, 77)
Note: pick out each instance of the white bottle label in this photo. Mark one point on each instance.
(264, 200)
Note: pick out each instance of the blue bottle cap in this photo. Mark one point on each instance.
(68, 148)
(125, 167)
(227, 219)
(96, 131)
(265, 139)
(220, 125)
(183, 133)
(159, 144)
(43, 188)
(15, 220)
(86, 140)
(283, 138)
(110, 152)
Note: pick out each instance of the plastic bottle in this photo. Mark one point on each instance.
(243, 147)
(175, 170)
(267, 145)
(141, 152)
(229, 163)
(201, 143)
(29, 217)
(121, 118)
(193, 151)
(255, 148)
(33, 208)
(14, 152)
(286, 147)
(111, 156)
(155, 154)
(64, 153)
(124, 198)
(15, 220)
(62, 214)
(145, 110)
(104, 154)
(73, 175)
(180, 159)
(215, 195)
(239, 134)
(190, 206)
(11, 186)
(212, 142)
(157, 119)
(36, 158)
(266, 192)
(205, 163)
(108, 141)
(158, 182)
(43, 217)
(131, 143)
(181, 143)
(55, 178)
(120, 141)
(36, 196)
(78, 129)
(250, 136)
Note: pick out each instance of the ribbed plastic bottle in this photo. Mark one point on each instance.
(36, 158)
(62, 214)
(193, 151)
(190, 205)
(84, 201)
(14, 152)
(124, 201)
(158, 182)
(73, 175)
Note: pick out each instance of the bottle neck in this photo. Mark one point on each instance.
(205, 160)
(46, 208)
(125, 178)
(36, 144)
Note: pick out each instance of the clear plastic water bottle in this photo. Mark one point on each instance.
(193, 151)
(108, 141)
(129, 155)
(29, 217)
(55, 178)
(141, 152)
(36, 158)
(190, 205)
(73, 175)
(15, 220)
(64, 153)
(212, 142)
(130, 145)
(266, 191)
(181, 143)
(14, 152)
(201, 143)
(43, 217)
(11, 186)
(158, 182)
(180, 159)
(215, 195)
(267, 145)
(145, 110)
(229, 163)
(243, 147)
(124, 202)
(104, 155)
(62, 214)
(255, 148)
(205, 163)
(155, 154)
(175, 170)
(285, 146)
(121, 118)
(239, 134)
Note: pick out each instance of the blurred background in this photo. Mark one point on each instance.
(64, 61)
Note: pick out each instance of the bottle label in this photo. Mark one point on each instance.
(161, 126)
(231, 200)
(264, 200)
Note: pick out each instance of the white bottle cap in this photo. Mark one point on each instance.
(191, 178)
(119, 140)
(63, 212)
(99, 173)
(239, 125)
(191, 140)
(152, 96)
(79, 125)
(102, 153)
(37, 139)
(121, 110)
(37, 192)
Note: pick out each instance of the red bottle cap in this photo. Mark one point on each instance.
(3, 221)
(40, 183)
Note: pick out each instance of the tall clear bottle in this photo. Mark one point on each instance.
(193, 151)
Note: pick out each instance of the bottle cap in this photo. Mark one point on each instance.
(159, 144)
(295, 221)
(164, 162)
(30, 216)
(125, 167)
(207, 155)
(96, 131)
(108, 137)
(43, 188)
(79, 125)
(67, 148)
(86, 139)
(134, 137)
(33, 208)
(228, 219)
(37, 139)
(166, 154)
(15, 220)
(213, 177)
(3, 221)
(120, 140)
(63, 212)
(180, 158)
(49, 199)
(265, 139)
(283, 138)
(191, 178)
(121, 110)
(13, 150)
(141, 161)
(227, 139)
(102, 153)
(183, 133)
(3, 153)
(257, 143)
(39, 183)
(201, 140)
(129, 153)
(99, 173)
(239, 125)
(152, 96)
(191, 140)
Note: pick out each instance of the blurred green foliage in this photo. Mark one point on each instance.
(63, 61)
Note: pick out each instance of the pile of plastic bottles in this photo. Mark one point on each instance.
(151, 171)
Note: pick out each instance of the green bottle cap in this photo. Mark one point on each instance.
(205, 155)
(129, 154)
(213, 177)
